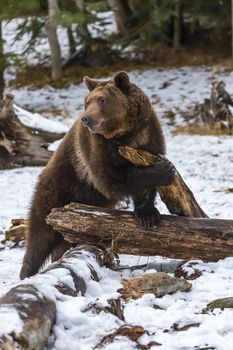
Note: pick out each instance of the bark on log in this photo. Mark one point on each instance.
(157, 283)
(177, 196)
(21, 145)
(176, 236)
(35, 309)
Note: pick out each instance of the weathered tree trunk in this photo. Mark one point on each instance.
(56, 61)
(177, 25)
(35, 309)
(71, 39)
(2, 64)
(94, 53)
(121, 14)
(232, 29)
(19, 144)
(177, 196)
(215, 113)
(83, 30)
(175, 237)
(130, 16)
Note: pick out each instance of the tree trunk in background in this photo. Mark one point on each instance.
(72, 43)
(177, 25)
(56, 69)
(2, 64)
(83, 28)
(121, 15)
(232, 28)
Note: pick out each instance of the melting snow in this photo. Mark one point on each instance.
(205, 163)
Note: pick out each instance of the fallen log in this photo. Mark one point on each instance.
(30, 307)
(178, 197)
(21, 145)
(176, 236)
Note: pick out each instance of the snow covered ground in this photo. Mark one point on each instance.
(206, 164)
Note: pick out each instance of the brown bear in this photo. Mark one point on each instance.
(87, 167)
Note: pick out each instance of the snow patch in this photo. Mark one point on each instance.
(37, 121)
(10, 320)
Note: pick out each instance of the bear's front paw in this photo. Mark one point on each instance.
(164, 172)
(147, 217)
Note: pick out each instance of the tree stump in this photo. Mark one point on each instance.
(21, 145)
(213, 115)
(215, 110)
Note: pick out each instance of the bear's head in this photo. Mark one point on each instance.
(114, 107)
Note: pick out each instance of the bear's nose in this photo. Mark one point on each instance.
(86, 120)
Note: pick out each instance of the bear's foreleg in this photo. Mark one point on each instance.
(162, 173)
(144, 210)
(40, 243)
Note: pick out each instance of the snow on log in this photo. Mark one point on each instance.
(28, 310)
(175, 237)
(24, 144)
(178, 197)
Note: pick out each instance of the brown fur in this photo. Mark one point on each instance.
(88, 168)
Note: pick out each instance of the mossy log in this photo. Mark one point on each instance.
(21, 145)
(176, 236)
(34, 309)
(178, 198)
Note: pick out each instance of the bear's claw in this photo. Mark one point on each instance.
(147, 217)
(27, 270)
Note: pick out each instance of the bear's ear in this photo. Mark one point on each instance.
(90, 83)
(121, 80)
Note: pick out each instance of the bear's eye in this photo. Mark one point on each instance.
(102, 100)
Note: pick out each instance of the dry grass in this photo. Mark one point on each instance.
(39, 76)
(156, 56)
(202, 130)
(225, 190)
